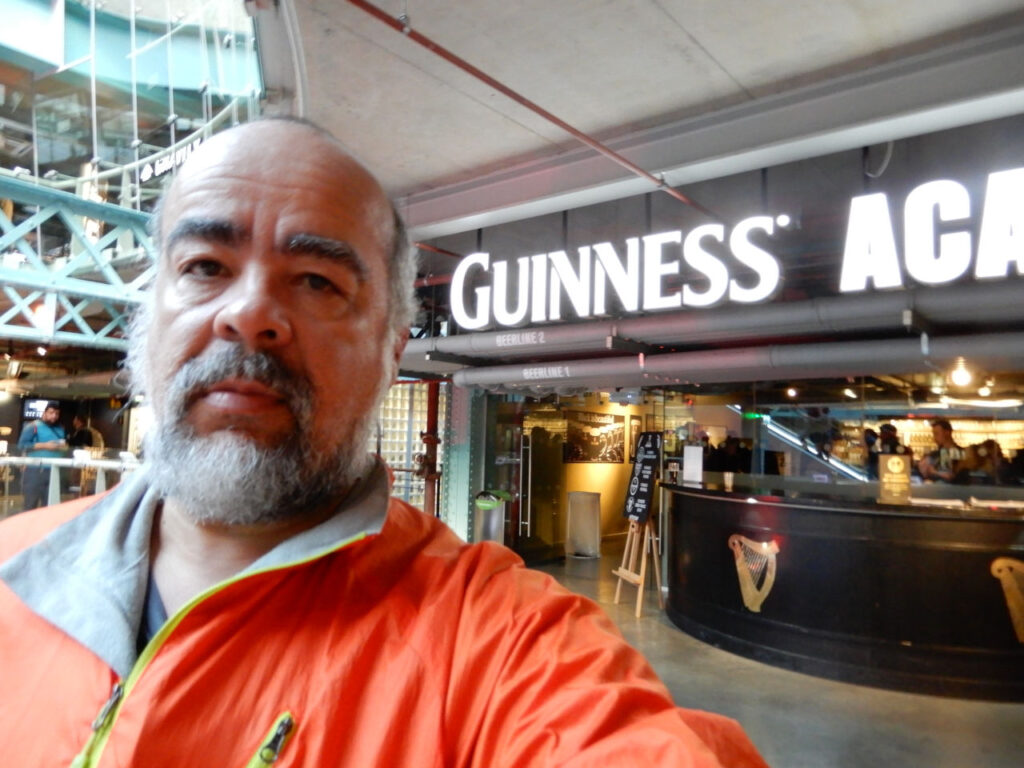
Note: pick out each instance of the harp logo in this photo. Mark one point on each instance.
(755, 567)
(1010, 573)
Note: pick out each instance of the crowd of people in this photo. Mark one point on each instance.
(981, 463)
(977, 464)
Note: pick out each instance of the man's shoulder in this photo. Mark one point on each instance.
(421, 531)
(30, 431)
(22, 530)
(431, 538)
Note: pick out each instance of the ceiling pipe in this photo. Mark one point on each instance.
(429, 280)
(763, 363)
(974, 303)
(402, 25)
(435, 249)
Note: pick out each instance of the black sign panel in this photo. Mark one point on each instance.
(641, 479)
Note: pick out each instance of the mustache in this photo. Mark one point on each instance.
(226, 360)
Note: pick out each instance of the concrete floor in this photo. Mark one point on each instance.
(796, 720)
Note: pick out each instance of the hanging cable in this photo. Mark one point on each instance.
(885, 161)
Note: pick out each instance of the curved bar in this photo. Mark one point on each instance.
(894, 597)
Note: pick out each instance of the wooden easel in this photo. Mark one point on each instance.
(636, 550)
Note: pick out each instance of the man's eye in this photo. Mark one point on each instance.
(205, 268)
(319, 283)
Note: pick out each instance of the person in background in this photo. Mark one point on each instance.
(871, 453)
(43, 438)
(941, 464)
(81, 435)
(984, 464)
(252, 594)
(889, 441)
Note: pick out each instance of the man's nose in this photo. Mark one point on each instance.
(254, 316)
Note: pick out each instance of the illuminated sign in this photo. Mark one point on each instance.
(543, 280)
(934, 255)
(168, 161)
(937, 248)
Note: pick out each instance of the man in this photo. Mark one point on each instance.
(871, 447)
(941, 464)
(44, 438)
(81, 435)
(252, 594)
(889, 441)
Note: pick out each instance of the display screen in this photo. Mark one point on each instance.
(33, 409)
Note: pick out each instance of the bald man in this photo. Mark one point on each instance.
(253, 595)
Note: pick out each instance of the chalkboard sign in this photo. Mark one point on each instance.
(641, 479)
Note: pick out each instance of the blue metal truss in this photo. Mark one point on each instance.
(83, 294)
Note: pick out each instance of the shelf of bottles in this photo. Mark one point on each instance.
(402, 419)
(916, 434)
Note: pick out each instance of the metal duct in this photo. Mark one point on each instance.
(998, 351)
(973, 303)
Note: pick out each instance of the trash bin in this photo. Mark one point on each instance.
(489, 515)
(583, 528)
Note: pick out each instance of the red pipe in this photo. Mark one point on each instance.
(435, 249)
(465, 66)
(426, 282)
(430, 442)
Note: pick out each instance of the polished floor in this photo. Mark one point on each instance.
(800, 721)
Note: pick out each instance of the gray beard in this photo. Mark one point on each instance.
(228, 478)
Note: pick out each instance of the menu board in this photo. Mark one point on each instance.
(641, 479)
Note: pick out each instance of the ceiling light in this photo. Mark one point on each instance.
(41, 351)
(960, 375)
(985, 391)
(1010, 402)
(791, 392)
(850, 393)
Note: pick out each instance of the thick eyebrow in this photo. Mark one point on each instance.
(212, 230)
(327, 248)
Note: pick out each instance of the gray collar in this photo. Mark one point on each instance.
(88, 576)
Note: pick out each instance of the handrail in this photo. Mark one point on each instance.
(119, 465)
(204, 131)
(22, 190)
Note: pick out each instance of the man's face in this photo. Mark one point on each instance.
(51, 415)
(274, 245)
(941, 436)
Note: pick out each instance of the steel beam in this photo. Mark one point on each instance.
(83, 295)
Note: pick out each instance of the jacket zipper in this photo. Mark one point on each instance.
(100, 726)
(105, 720)
(273, 742)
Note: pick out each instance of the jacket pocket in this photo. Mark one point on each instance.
(274, 742)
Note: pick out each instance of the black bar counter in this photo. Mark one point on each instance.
(895, 597)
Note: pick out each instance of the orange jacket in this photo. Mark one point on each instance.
(392, 645)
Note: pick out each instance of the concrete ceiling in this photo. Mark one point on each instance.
(685, 88)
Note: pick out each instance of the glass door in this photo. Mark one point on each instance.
(527, 463)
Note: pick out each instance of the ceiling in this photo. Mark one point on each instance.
(469, 112)
(683, 88)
